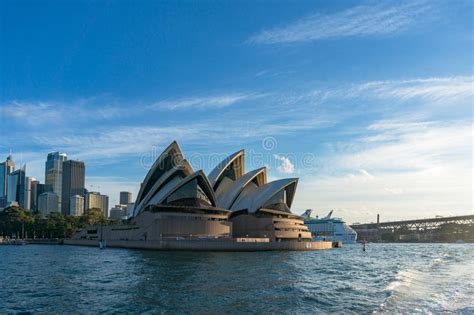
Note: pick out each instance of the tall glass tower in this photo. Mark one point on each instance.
(53, 174)
(19, 188)
(6, 168)
(73, 183)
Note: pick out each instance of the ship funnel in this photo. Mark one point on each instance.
(328, 217)
(307, 213)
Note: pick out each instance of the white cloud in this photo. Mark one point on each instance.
(391, 166)
(412, 146)
(393, 191)
(218, 101)
(424, 169)
(367, 20)
(431, 89)
(395, 195)
(366, 174)
(39, 113)
(286, 166)
(105, 108)
(121, 141)
(31, 113)
(276, 113)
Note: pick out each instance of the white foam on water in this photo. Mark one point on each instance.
(445, 286)
(404, 279)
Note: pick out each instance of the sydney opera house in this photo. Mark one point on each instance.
(228, 209)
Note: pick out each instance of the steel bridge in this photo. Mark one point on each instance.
(416, 225)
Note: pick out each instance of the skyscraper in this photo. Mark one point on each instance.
(73, 181)
(27, 193)
(119, 212)
(19, 188)
(12, 187)
(76, 205)
(53, 174)
(36, 190)
(5, 169)
(125, 197)
(96, 200)
(47, 203)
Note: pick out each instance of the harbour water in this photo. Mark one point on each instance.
(387, 278)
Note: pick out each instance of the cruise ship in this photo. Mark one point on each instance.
(329, 228)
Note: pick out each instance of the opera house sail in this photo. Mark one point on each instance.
(179, 208)
(259, 209)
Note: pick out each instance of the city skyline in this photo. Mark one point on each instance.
(385, 125)
(63, 190)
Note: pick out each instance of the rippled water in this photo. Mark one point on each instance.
(386, 278)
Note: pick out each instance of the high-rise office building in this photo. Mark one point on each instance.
(73, 183)
(53, 174)
(47, 203)
(96, 200)
(36, 190)
(125, 197)
(12, 187)
(5, 169)
(119, 212)
(76, 205)
(19, 188)
(27, 193)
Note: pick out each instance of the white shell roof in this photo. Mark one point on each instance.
(228, 197)
(205, 185)
(177, 157)
(231, 194)
(257, 198)
(219, 169)
(184, 167)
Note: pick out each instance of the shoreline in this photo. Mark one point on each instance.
(229, 245)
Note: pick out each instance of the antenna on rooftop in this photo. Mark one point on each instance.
(98, 187)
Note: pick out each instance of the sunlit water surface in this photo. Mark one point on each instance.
(387, 278)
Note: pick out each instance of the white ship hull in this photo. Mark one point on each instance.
(330, 229)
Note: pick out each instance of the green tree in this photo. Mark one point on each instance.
(94, 216)
(15, 220)
(55, 225)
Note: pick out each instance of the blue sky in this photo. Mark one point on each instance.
(368, 103)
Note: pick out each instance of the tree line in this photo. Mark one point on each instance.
(449, 232)
(16, 222)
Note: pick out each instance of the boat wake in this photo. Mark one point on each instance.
(445, 286)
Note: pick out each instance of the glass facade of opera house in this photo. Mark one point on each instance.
(176, 202)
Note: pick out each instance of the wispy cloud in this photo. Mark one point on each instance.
(395, 195)
(36, 113)
(31, 113)
(422, 165)
(126, 141)
(119, 141)
(412, 146)
(105, 108)
(366, 20)
(218, 101)
(432, 89)
(276, 113)
(391, 161)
